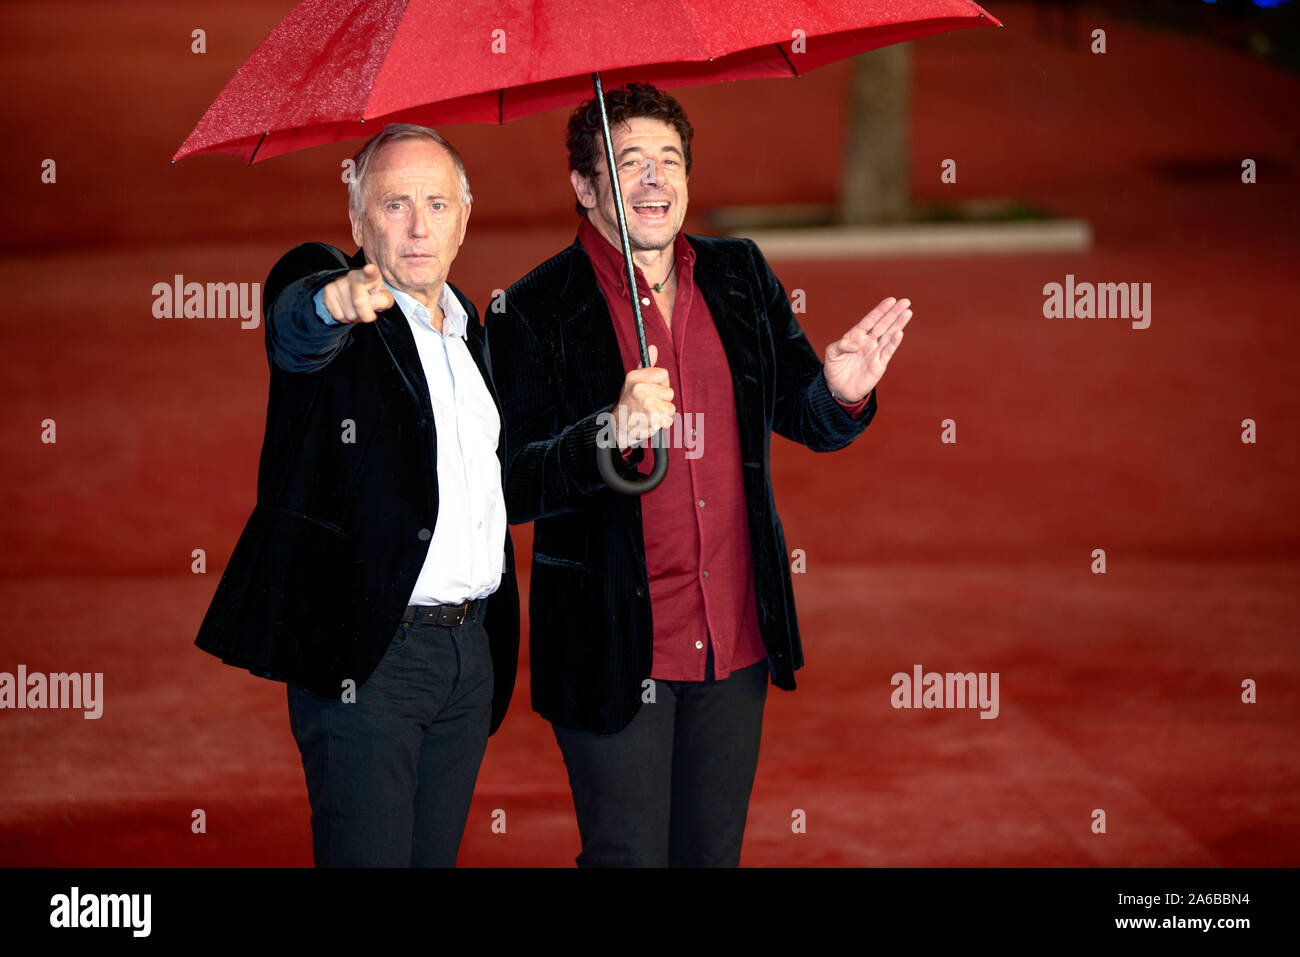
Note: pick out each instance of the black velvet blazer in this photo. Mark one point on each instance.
(325, 566)
(556, 362)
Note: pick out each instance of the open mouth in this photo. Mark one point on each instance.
(652, 209)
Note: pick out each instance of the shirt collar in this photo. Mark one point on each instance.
(455, 319)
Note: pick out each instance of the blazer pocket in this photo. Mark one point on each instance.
(541, 559)
(281, 510)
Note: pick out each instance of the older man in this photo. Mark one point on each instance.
(658, 621)
(375, 576)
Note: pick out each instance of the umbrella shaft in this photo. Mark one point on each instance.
(622, 221)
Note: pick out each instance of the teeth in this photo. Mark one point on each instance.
(655, 203)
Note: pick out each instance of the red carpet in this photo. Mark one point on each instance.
(1119, 692)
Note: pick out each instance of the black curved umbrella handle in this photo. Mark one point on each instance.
(625, 486)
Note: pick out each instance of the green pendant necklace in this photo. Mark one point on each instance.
(659, 287)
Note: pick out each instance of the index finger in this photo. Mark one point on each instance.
(370, 276)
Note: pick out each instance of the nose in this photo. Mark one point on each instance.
(419, 224)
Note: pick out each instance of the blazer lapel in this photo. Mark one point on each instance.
(394, 332)
(730, 299)
(587, 330)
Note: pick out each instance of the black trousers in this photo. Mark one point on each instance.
(390, 776)
(672, 788)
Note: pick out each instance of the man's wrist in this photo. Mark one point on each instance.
(844, 400)
(853, 409)
(318, 300)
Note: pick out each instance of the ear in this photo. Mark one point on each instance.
(582, 189)
(355, 220)
(464, 222)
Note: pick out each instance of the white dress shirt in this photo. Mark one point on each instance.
(467, 549)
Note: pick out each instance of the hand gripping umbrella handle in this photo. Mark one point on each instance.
(625, 486)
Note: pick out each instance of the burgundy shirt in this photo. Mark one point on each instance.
(694, 523)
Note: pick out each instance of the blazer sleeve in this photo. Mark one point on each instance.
(550, 461)
(297, 340)
(805, 411)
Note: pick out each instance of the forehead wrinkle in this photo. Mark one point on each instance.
(409, 173)
(407, 184)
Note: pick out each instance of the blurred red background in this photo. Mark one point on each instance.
(1119, 691)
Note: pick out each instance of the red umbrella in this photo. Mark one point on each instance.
(337, 69)
(332, 66)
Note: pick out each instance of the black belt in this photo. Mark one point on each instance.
(445, 615)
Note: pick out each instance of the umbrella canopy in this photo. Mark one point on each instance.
(341, 69)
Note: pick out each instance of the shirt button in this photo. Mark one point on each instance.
(699, 645)
(462, 400)
(701, 503)
(424, 535)
(480, 525)
(645, 300)
(706, 573)
(692, 433)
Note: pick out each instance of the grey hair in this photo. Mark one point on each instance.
(391, 133)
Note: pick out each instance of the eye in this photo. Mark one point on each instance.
(439, 205)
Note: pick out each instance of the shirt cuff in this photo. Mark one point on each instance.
(854, 409)
(319, 301)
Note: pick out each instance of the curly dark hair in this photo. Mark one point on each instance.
(622, 104)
